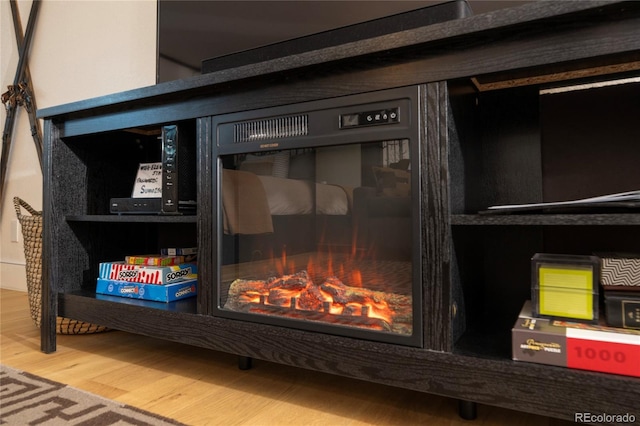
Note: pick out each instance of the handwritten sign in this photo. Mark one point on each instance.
(148, 181)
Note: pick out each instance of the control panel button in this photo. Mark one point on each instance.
(369, 118)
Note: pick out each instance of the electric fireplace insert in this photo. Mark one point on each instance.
(318, 211)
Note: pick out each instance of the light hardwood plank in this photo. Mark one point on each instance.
(201, 387)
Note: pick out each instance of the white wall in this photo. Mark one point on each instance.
(81, 49)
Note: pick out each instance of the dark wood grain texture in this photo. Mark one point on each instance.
(501, 382)
(539, 16)
(477, 148)
(49, 293)
(437, 252)
(584, 219)
(207, 248)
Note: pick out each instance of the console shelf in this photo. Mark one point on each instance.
(509, 113)
(103, 301)
(132, 218)
(627, 219)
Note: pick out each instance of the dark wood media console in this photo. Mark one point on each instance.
(489, 135)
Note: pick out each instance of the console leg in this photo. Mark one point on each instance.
(244, 362)
(468, 410)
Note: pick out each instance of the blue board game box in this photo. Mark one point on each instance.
(156, 292)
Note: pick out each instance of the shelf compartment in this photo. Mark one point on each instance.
(96, 167)
(88, 242)
(493, 277)
(522, 146)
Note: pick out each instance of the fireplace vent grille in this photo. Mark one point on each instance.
(271, 128)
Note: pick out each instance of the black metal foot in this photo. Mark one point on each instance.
(468, 410)
(245, 362)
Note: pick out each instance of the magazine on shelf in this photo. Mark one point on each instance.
(621, 200)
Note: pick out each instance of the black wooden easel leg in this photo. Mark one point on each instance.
(11, 98)
(468, 410)
(245, 362)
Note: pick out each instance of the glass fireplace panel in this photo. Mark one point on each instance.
(320, 236)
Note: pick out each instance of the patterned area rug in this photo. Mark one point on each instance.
(26, 399)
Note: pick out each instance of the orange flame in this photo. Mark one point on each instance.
(318, 272)
(356, 278)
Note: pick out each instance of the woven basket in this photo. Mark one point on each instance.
(32, 235)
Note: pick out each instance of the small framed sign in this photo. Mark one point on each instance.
(148, 182)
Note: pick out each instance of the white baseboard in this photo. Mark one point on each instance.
(13, 276)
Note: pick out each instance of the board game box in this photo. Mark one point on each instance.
(158, 293)
(122, 271)
(154, 260)
(190, 253)
(575, 345)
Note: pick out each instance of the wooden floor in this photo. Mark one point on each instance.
(202, 387)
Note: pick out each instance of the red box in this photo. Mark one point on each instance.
(575, 345)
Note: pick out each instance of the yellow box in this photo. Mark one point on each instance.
(565, 286)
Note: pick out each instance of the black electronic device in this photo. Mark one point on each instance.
(129, 205)
(178, 169)
(437, 13)
(170, 177)
(178, 181)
